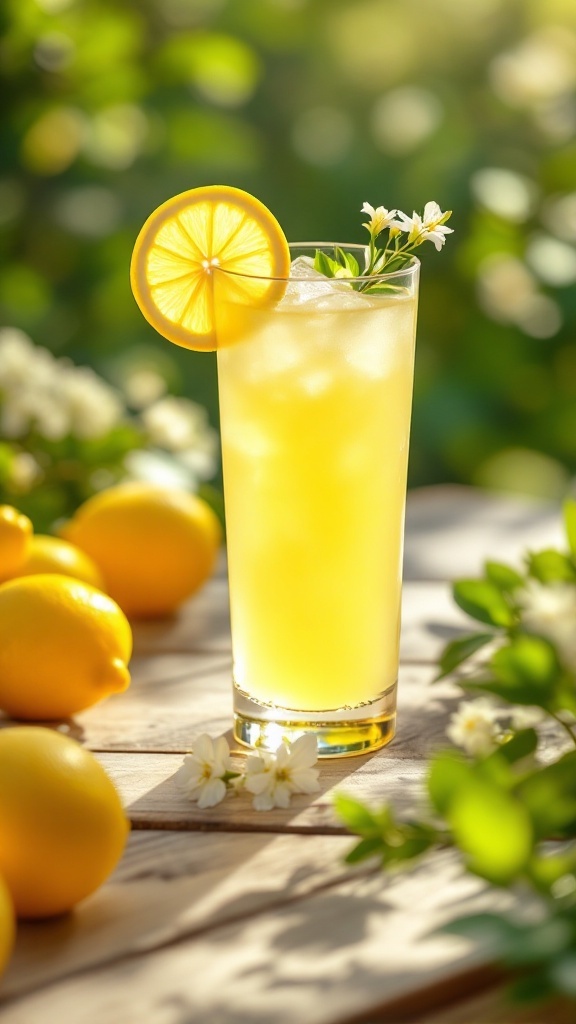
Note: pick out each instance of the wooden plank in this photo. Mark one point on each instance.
(201, 624)
(493, 1007)
(145, 782)
(451, 530)
(174, 698)
(430, 619)
(394, 773)
(170, 886)
(363, 943)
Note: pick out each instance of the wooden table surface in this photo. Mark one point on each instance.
(230, 916)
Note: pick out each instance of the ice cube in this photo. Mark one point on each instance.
(307, 285)
(303, 266)
(341, 299)
(382, 339)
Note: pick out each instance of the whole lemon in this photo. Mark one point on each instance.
(62, 825)
(63, 646)
(7, 928)
(15, 535)
(52, 554)
(154, 546)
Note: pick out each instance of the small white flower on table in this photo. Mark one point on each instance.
(429, 226)
(273, 778)
(202, 773)
(474, 727)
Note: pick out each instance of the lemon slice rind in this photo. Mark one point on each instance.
(216, 228)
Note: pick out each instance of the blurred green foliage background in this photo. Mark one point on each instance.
(111, 106)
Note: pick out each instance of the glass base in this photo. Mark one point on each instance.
(340, 733)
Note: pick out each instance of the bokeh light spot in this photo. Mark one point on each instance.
(552, 261)
(53, 142)
(90, 211)
(116, 136)
(403, 118)
(322, 135)
(54, 51)
(505, 193)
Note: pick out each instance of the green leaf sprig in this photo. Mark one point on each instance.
(510, 817)
(404, 235)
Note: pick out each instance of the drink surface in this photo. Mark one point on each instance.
(315, 404)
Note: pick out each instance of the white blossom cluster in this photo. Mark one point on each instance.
(180, 426)
(272, 778)
(49, 396)
(478, 727)
(549, 609)
(52, 399)
(428, 227)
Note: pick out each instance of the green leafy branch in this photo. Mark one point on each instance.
(396, 252)
(511, 818)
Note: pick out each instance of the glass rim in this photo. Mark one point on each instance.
(405, 271)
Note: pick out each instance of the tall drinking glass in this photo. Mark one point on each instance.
(315, 401)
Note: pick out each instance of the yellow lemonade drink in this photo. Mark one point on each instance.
(315, 398)
(315, 365)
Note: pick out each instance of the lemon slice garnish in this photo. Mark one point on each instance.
(184, 244)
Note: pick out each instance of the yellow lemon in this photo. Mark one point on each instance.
(206, 232)
(63, 646)
(7, 929)
(62, 825)
(154, 546)
(15, 535)
(52, 554)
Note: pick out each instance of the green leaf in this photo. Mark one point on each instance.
(539, 942)
(381, 288)
(544, 871)
(551, 566)
(562, 973)
(448, 773)
(527, 669)
(502, 576)
(364, 849)
(349, 261)
(521, 745)
(569, 510)
(565, 696)
(483, 601)
(356, 816)
(324, 264)
(549, 796)
(531, 988)
(493, 829)
(458, 651)
(495, 934)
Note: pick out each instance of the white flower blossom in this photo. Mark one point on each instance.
(181, 426)
(202, 771)
(94, 408)
(144, 385)
(380, 218)
(474, 727)
(273, 778)
(427, 227)
(51, 396)
(16, 351)
(549, 609)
